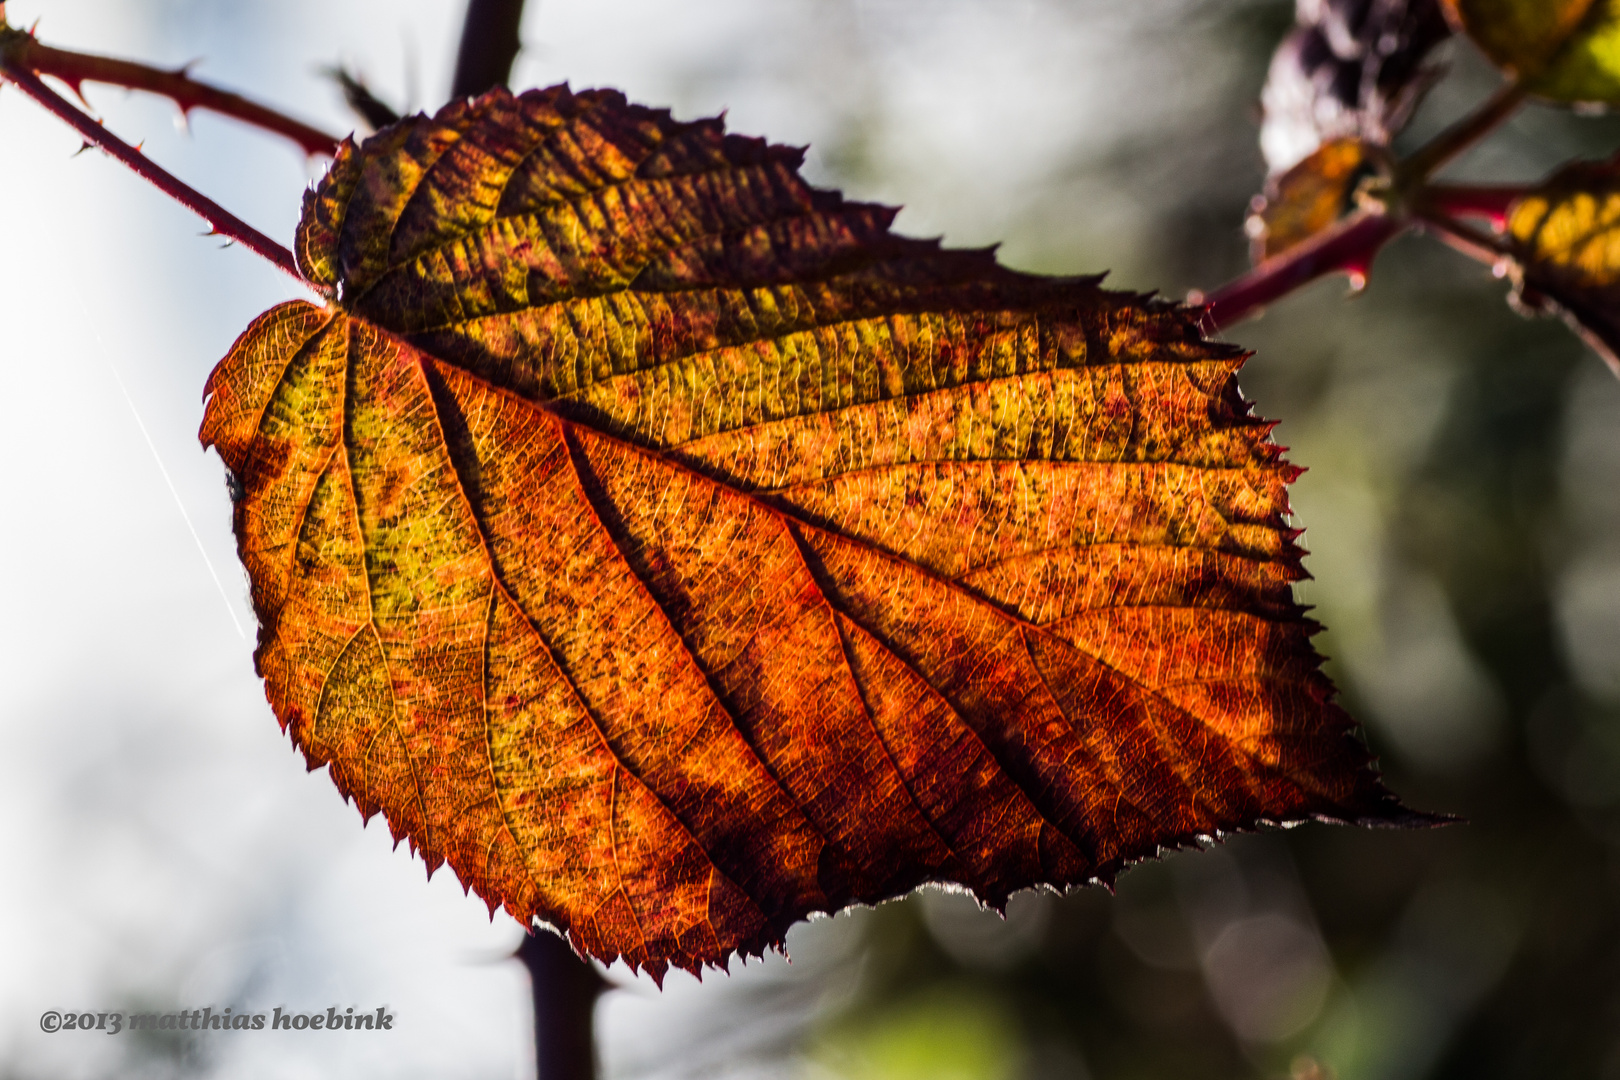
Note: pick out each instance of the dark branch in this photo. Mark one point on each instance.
(564, 987)
(372, 110)
(489, 44)
(565, 993)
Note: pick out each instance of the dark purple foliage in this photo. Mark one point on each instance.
(1349, 69)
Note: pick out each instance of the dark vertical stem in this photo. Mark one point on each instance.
(489, 44)
(564, 987)
(565, 993)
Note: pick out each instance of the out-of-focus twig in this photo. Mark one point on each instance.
(564, 987)
(375, 112)
(565, 993)
(489, 44)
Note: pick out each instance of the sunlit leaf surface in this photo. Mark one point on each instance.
(675, 551)
(1349, 69)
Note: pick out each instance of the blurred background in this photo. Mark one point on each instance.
(161, 846)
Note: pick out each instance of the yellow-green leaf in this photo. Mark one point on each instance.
(1567, 239)
(1562, 50)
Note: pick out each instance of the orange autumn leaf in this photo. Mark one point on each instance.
(675, 551)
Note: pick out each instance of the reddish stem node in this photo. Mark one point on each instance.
(1348, 247)
(219, 219)
(76, 69)
(1460, 237)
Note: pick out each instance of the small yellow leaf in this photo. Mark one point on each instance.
(1566, 236)
(1309, 197)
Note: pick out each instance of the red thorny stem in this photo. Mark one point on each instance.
(220, 220)
(75, 69)
(1347, 247)
(1350, 246)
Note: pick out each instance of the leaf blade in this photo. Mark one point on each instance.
(729, 558)
(1565, 236)
(1566, 51)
